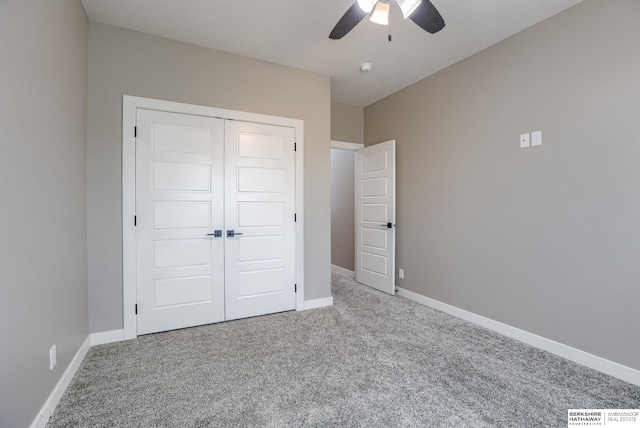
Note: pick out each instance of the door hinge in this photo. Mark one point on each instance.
(136, 309)
(295, 218)
(295, 147)
(135, 220)
(295, 288)
(135, 131)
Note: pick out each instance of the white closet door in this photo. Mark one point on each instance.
(179, 203)
(375, 216)
(259, 219)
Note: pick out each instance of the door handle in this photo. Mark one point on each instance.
(216, 234)
(388, 225)
(231, 233)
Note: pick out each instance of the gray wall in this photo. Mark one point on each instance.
(342, 208)
(131, 63)
(43, 290)
(546, 239)
(347, 123)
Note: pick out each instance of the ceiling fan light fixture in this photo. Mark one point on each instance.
(380, 14)
(366, 5)
(408, 6)
(422, 12)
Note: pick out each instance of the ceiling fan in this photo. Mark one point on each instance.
(422, 12)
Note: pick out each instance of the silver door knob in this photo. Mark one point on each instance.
(231, 233)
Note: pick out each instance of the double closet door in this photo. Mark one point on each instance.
(215, 231)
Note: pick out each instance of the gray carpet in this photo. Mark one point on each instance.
(372, 360)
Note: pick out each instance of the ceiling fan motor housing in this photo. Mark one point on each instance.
(407, 6)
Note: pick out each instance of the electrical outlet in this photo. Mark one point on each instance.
(52, 357)
(401, 273)
(524, 140)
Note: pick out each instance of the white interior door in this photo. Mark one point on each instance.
(375, 216)
(196, 176)
(259, 219)
(179, 203)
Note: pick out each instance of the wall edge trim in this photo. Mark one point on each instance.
(54, 398)
(342, 271)
(315, 303)
(104, 337)
(584, 358)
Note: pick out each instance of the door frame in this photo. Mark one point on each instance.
(344, 145)
(130, 104)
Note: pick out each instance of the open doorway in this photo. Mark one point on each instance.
(363, 213)
(343, 207)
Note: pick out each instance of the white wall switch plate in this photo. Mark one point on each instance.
(524, 140)
(536, 138)
(52, 357)
(401, 273)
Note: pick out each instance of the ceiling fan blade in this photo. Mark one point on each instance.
(427, 17)
(350, 19)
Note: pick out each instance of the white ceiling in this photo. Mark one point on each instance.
(295, 33)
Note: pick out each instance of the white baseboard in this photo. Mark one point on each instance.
(342, 271)
(611, 368)
(107, 337)
(316, 303)
(51, 403)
